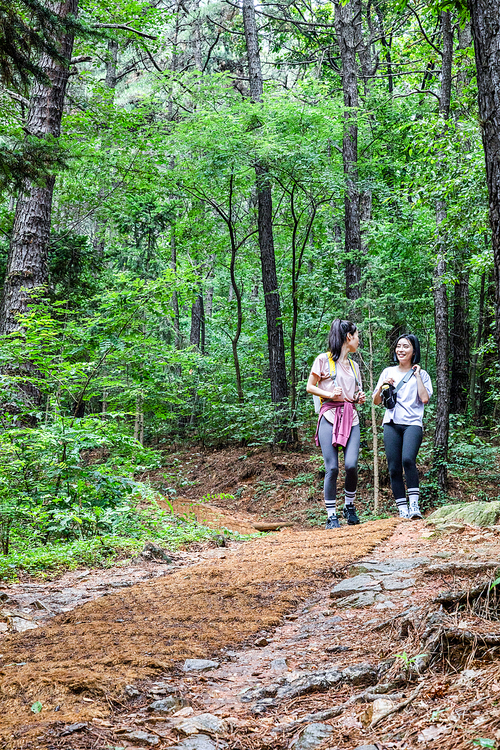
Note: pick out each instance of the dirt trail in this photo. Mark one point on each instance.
(80, 661)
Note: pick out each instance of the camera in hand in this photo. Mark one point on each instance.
(389, 395)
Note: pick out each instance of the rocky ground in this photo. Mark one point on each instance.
(399, 651)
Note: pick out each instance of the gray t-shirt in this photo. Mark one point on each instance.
(409, 408)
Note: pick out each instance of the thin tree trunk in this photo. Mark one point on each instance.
(275, 339)
(111, 64)
(485, 22)
(175, 299)
(197, 335)
(28, 255)
(475, 355)
(460, 346)
(376, 481)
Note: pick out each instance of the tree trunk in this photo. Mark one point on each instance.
(275, 339)
(376, 481)
(28, 255)
(441, 434)
(197, 335)
(485, 22)
(488, 359)
(460, 346)
(111, 64)
(175, 299)
(345, 17)
(475, 355)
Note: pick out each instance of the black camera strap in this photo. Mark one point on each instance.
(404, 380)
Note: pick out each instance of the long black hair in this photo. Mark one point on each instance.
(415, 357)
(338, 335)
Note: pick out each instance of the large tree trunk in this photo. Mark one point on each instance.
(346, 17)
(485, 22)
(27, 262)
(275, 339)
(441, 434)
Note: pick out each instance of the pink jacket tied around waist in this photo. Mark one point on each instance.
(344, 415)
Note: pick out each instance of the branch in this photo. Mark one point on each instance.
(423, 31)
(397, 707)
(124, 27)
(418, 91)
(17, 97)
(80, 59)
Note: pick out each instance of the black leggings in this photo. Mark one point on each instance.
(331, 458)
(402, 442)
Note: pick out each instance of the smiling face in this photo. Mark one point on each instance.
(404, 351)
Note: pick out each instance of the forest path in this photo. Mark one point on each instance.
(80, 662)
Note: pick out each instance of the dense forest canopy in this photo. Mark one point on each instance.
(192, 191)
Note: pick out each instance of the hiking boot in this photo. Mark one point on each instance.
(404, 512)
(350, 515)
(333, 523)
(414, 513)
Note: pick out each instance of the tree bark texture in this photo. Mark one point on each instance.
(345, 18)
(28, 255)
(440, 294)
(197, 335)
(460, 347)
(485, 22)
(275, 339)
(442, 370)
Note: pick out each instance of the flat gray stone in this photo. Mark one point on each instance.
(477, 513)
(388, 567)
(200, 665)
(366, 747)
(397, 584)
(360, 674)
(278, 665)
(365, 599)
(199, 742)
(143, 737)
(203, 723)
(313, 735)
(165, 705)
(355, 585)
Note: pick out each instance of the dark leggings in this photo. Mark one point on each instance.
(402, 442)
(331, 458)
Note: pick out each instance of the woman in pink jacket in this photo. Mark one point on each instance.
(336, 379)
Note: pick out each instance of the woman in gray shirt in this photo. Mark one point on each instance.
(403, 423)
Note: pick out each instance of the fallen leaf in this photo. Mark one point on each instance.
(350, 722)
(432, 733)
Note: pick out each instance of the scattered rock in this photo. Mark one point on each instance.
(155, 553)
(131, 691)
(356, 601)
(207, 723)
(463, 566)
(313, 735)
(358, 584)
(199, 742)
(261, 642)
(387, 568)
(165, 705)
(337, 649)
(72, 728)
(21, 624)
(278, 665)
(397, 584)
(366, 747)
(360, 674)
(200, 665)
(309, 683)
(142, 737)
